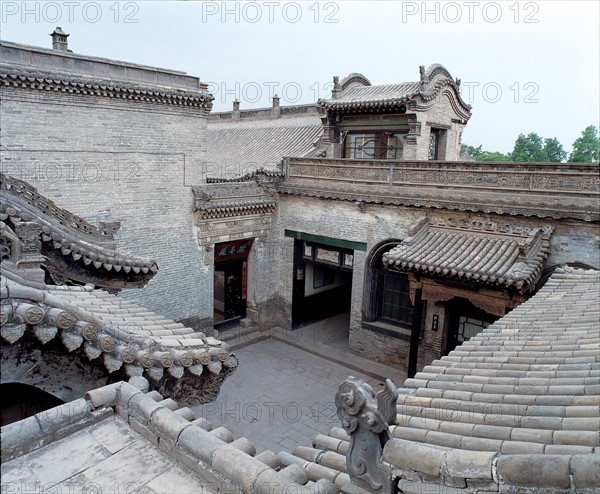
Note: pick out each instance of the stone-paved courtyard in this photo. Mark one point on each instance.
(280, 396)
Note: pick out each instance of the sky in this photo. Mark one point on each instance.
(524, 66)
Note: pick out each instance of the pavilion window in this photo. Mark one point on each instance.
(376, 145)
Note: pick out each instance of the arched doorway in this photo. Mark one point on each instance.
(389, 310)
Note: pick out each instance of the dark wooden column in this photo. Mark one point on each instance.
(415, 334)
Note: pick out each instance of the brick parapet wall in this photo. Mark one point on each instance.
(55, 62)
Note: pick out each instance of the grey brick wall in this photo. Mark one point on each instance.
(122, 161)
(440, 115)
(572, 241)
(340, 220)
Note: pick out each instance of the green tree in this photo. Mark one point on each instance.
(473, 151)
(586, 148)
(492, 156)
(529, 147)
(554, 150)
(480, 155)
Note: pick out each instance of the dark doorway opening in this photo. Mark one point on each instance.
(230, 286)
(229, 291)
(20, 401)
(322, 282)
(465, 320)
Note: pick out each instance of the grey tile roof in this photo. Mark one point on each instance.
(538, 368)
(124, 335)
(512, 260)
(236, 148)
(526, 390)
(69, 237)
(121, 437)
(380, 96)
(356, 93)
(522, 397)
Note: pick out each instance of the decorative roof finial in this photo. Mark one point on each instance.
(337, 88)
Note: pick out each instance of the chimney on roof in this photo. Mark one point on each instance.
(275, 110)
(59, 40)
(235, 115)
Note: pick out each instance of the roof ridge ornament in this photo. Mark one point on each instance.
(337, 88)
(423, 76)
(366, 418)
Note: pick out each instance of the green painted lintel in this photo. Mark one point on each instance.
(320, 239)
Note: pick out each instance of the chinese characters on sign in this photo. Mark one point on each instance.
(230, 251)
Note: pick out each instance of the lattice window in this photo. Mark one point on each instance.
(396, 306)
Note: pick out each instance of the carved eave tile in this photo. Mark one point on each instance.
(232, 198)
(261, 174)
(237, 208)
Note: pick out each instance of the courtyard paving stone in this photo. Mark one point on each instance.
(280, 396)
